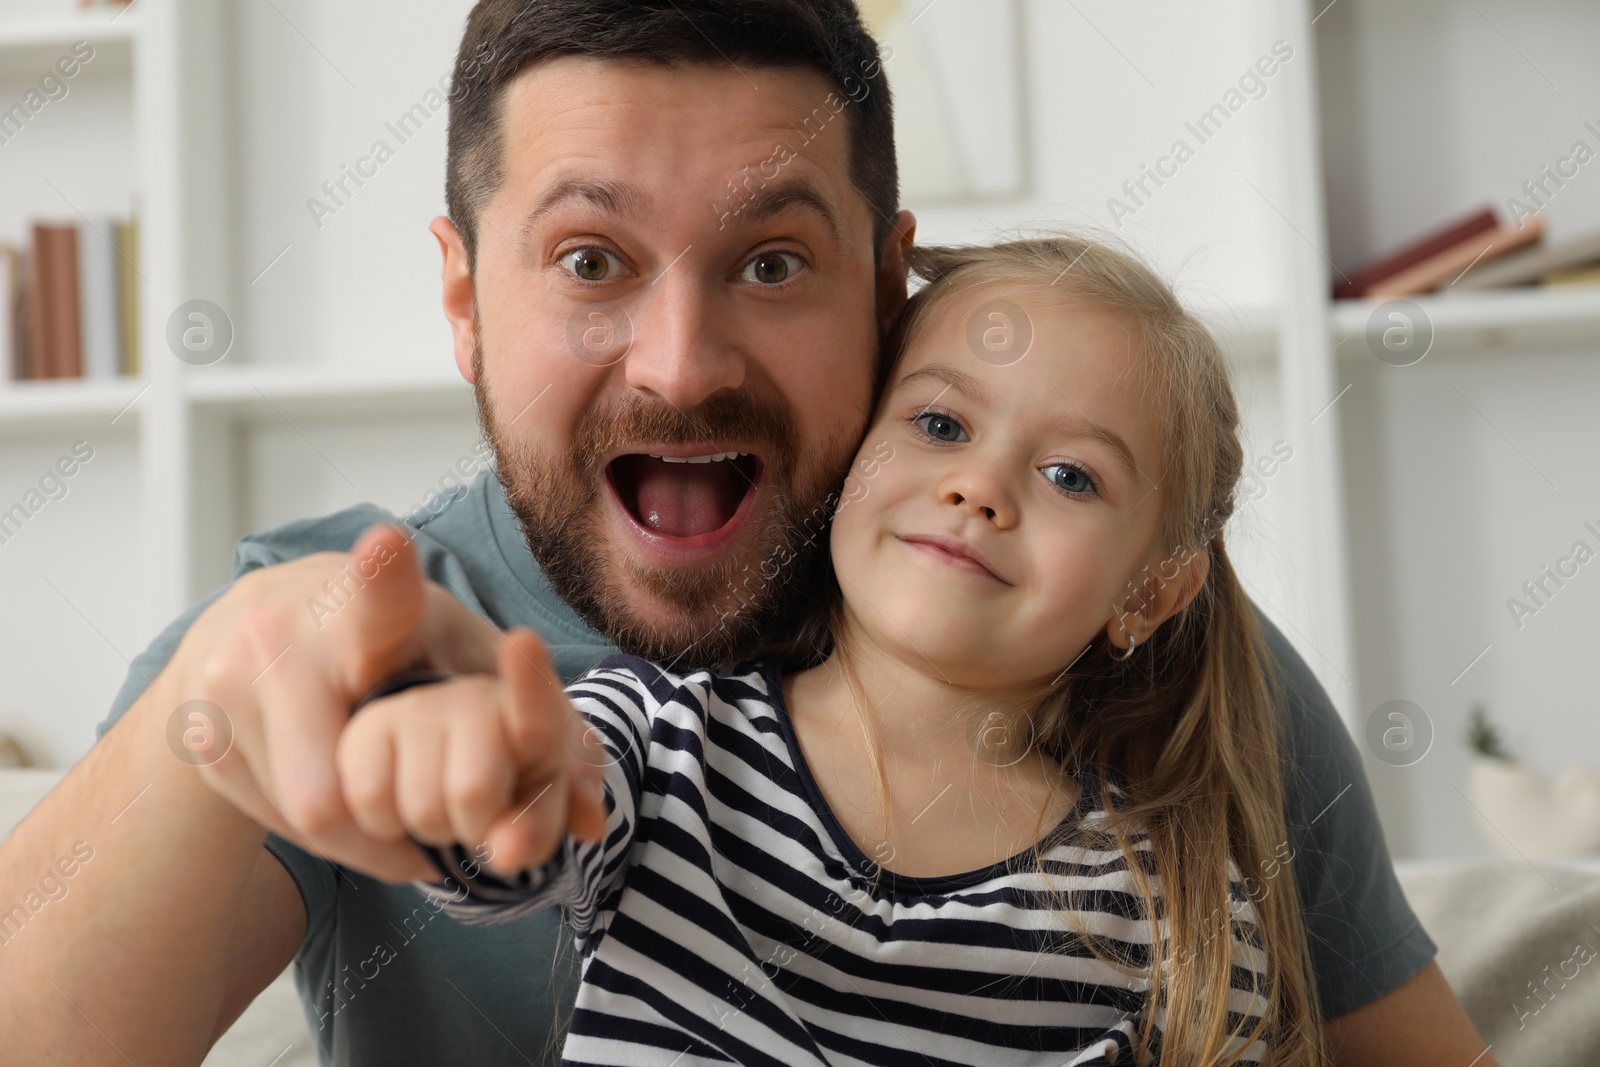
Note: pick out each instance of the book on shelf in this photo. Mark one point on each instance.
(126, 240)
(97, 292)
(1447, 266)
(1423, 248)
(1580, 276)
(55, 334)
(13, 324)
(69, 301)
(1536, 264)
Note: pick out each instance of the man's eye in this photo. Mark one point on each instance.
(937, 427)
(771, 268)
(592, 264)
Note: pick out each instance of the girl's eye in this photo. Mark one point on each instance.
(771, 268)
(592, 264)
(1069, 478)
(937, 427)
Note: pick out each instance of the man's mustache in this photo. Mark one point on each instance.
(641, 420)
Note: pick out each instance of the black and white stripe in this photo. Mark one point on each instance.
(727, 917)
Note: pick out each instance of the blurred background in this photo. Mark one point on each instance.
(215, 329)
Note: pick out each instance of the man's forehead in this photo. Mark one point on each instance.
(625, 200)
(609, 99)
(619, 135)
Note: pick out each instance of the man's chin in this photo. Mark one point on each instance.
(706, 613)
(664, 632)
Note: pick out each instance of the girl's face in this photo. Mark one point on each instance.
(997, 512)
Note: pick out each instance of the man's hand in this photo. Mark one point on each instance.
(289, 650)
(477, 760)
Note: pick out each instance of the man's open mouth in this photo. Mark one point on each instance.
(696, 498)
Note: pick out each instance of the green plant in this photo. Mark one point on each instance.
(1484, 738)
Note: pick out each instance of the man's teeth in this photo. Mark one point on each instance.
(714, 457)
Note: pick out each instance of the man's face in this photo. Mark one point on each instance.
(671, 333)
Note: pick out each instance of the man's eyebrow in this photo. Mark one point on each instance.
(612, 197)
(1072, 425)
(778, 197)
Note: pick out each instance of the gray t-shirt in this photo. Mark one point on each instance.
(384, 979)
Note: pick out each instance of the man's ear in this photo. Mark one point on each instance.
(459, 297)
(1162, 595)
(892, 269)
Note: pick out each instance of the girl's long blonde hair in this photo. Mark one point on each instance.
(1189, 727)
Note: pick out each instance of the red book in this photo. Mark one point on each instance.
(1457, 260)
(1424, 248)
(55, 344)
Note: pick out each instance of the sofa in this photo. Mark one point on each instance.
(1518, 943)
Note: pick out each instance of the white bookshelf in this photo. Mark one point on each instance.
(103, 565)
(39, 405)
(54, 33)
(1530, 316)
(1465, 472)
(243, 391)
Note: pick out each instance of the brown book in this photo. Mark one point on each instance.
(1426, 247)
(38, 360)
(1444, 268)
(67, 304)
(55, 344)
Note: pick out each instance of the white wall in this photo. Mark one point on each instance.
(1106, 96)
(313, 89)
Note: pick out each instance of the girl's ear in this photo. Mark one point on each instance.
(1171, 586)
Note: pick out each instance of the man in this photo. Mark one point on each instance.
(671, 252)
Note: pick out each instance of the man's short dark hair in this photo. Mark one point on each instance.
(504, 37)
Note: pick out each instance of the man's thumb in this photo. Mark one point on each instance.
(381, 586)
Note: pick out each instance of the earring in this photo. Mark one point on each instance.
(1132, 643)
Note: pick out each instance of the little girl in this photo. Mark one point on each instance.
(1014, 798)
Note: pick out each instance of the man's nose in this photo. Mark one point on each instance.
(682, 350)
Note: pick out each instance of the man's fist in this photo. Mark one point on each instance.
(287, 672)
(493, 760)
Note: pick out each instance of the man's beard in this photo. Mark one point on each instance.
(776, 571)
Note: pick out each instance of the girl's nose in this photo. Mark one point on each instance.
(977, 487)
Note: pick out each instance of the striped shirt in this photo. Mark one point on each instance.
(727, 917)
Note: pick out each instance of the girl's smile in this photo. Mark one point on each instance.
(953, 552)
